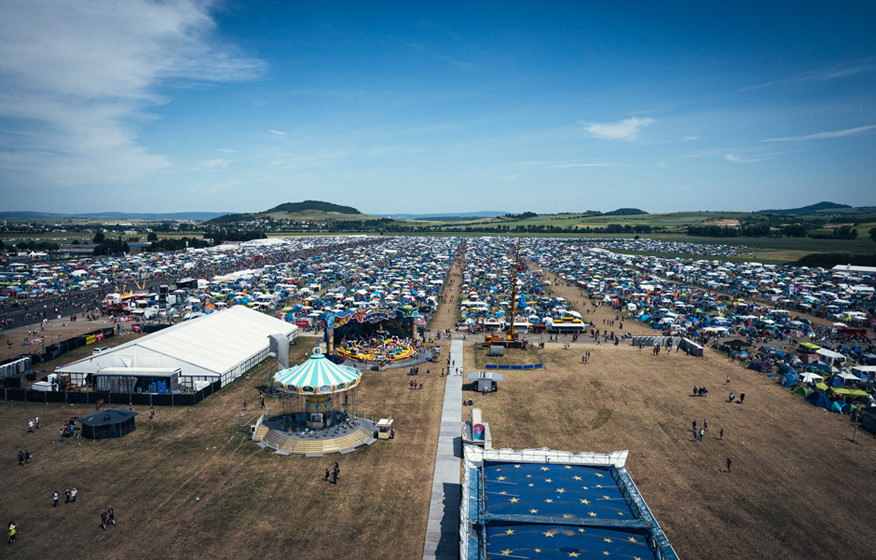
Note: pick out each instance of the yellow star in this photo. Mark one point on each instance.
(585, 502)
(531, 484)
(568, 466)
(561, 490)
(501, 478)
(632, 539)
(620, 513)
(581, 531)
(529, 476)
(544, 468)
(598, 486)
(549, 533)
(549, 501)
(597, 474)
(606, 497)
(605, 552)
(515, 500)
(637, 558)
(539, 550)
(592, 514)
(607, 540)
(576, 477)
(568, 515)
(533, 511)
(503, 492)
(548, 480)
(509, 532)
(573, 554)
(585, 487)
(507, 552)
(516, 466)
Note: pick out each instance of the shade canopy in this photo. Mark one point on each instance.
(317, 376)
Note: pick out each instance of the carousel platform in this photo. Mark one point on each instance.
(421, 358)
(296, 439)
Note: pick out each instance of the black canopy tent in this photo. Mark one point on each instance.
(108, 423)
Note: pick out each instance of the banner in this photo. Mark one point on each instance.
(90, 339)
(136, 328)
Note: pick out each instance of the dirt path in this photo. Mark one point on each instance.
(448, 308)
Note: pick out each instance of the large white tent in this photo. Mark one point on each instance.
(222, 345)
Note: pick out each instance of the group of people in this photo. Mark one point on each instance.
(69, 497)
(108, 517)
(335, 473)
(23, 458)
(700, 392)
(33, 424)
(69, 429)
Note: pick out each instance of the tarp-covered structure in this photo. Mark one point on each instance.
(108, 423)
(220, 346)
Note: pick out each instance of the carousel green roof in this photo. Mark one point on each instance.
(317, 376)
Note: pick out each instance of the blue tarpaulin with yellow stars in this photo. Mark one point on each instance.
(559, 511)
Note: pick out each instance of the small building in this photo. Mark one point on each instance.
(108, 423)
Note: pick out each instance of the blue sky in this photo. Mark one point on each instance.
(402, 107)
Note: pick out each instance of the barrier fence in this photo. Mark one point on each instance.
(110, 398)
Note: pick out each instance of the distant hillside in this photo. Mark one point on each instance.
(449, 216)
(309, 205)
(625, 212)
(819, 209)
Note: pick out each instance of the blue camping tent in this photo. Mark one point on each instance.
(790, 378)
(819, 399)
(837, 407)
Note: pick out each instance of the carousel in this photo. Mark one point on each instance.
(319, 382)
(317, 410)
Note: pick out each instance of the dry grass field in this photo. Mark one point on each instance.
(800, 488)
(183, 487)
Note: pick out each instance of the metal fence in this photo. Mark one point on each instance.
(109, 398)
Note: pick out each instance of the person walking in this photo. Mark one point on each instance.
(729, 463)
(721, 433)
(55, 497)
(73, 495)
(103, 518)
(326, 475)
(67, 496)
(151, 412)
(20, 458)
(741, 398)
(702, 433)
(111, 516)
(12, 532)
(706, 425)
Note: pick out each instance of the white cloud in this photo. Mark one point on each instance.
(77, 77)
(225, 150)
(213, 164)
(625, 130)
(562, 164)
(277, 132)
(823, 135)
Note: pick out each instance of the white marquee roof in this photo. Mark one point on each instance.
(214, 344)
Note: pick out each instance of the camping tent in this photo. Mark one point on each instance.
(759, 365)
(819, 399)
(108, 423)
(802, 392)
(789, 378)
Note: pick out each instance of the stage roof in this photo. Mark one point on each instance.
(550, 505)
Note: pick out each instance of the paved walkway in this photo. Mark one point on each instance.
(442, 533)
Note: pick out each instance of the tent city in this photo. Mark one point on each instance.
(251, 304)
